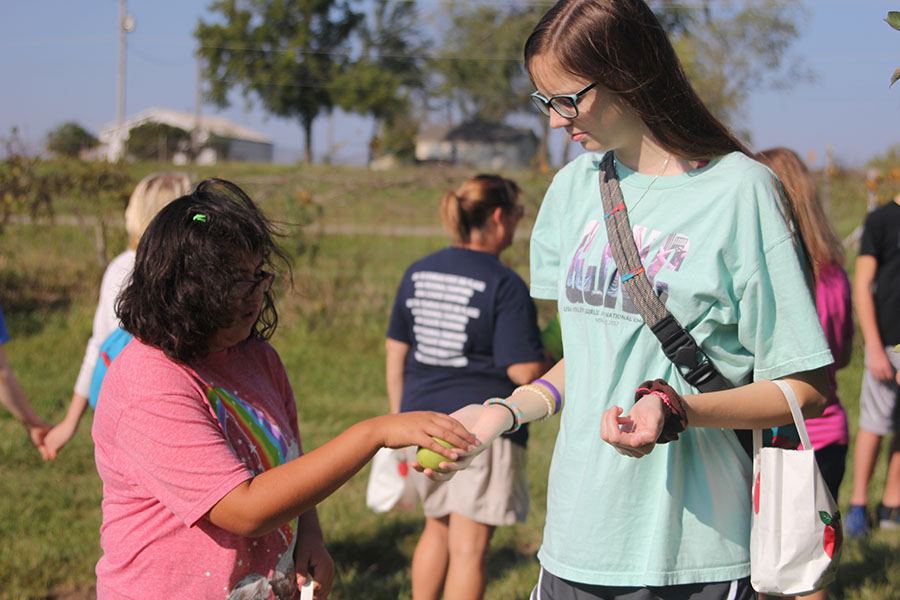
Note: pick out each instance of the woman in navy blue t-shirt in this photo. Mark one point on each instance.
(464, 328)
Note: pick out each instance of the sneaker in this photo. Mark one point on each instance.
(856, 523)
(888, 517)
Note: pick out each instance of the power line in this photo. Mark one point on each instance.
(322, 84)
(349, 54)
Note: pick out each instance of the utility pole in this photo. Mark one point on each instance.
(126, 25)
(826, 182)
(198, 101)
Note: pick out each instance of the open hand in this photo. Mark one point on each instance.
(634, 434)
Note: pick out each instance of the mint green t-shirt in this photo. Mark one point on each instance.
(719, 253)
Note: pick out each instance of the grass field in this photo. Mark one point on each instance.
(331, 340)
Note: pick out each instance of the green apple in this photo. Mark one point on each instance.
(430, 459)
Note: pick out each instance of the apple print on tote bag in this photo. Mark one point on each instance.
(796, 535)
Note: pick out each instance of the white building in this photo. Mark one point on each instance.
(232, 141)
(492, 147)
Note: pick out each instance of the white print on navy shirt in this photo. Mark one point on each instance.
(441, 309)
(600, 284)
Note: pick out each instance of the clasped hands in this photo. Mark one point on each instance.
(486, 423)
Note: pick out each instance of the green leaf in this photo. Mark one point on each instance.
(893, 19)
(897, 347)
(894, 79)
(826, 518)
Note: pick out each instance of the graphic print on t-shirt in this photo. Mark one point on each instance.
(261, 445)
(441, 310)
(600, 284)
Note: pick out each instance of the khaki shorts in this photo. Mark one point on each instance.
(492, 490)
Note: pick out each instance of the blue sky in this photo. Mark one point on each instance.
(59, 63)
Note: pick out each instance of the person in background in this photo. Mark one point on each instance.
(876, 295)
(151, 194)
(649, 487)
(829, 433)
(464, 327)
(207, 492)
(13, 398)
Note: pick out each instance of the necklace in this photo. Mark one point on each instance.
(652, 181)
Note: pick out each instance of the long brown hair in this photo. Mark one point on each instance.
(822, 243)
(621, 45)
(472, 204)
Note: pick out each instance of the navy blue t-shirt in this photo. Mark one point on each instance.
(466, 318)
(4, 334)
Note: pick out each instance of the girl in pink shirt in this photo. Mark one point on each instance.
(829, 434)
(207, 492)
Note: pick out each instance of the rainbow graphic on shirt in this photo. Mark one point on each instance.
(262, 439)
(264, 436)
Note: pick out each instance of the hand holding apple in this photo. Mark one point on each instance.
(430, 459)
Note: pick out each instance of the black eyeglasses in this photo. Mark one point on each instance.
(244, 288)
(566, 105)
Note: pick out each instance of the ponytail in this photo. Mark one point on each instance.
(472, 204)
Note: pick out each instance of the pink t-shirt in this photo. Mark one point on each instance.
(170, 443)
(835, 314)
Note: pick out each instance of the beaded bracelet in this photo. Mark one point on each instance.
(518, 418)
(556, 395)
(673, 406)
(676, 410)
(543, 395)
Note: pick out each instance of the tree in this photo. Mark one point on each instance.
(480, 62)
(30, 183)
(284, 53)
(893, 19)
(389, 70)
(730, 48)
(69, 139)
(157, 139)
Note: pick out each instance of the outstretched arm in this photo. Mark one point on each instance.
(272, 498)
(13, 398)
(489, 422)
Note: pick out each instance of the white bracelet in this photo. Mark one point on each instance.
(545, 396)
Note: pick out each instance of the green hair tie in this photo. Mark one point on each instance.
(200, 217)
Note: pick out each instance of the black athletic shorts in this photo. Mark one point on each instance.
(551, 587)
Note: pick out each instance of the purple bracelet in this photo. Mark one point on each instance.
(556, 396)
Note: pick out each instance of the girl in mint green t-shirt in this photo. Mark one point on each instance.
(713, 241)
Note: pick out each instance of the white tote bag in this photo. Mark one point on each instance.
(796, 534)
(389, 486)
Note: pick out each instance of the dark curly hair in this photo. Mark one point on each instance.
(187, 261)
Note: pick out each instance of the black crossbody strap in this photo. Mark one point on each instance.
(677, 343)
